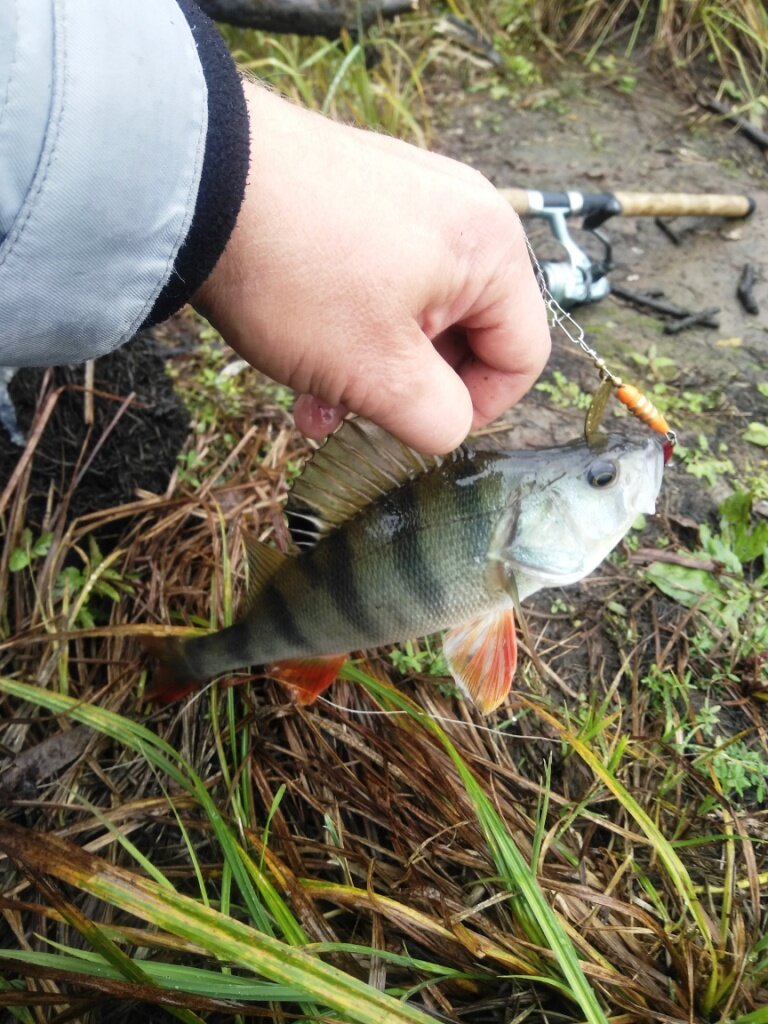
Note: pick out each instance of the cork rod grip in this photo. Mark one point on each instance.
(518, 197)
(633, 204)
(681, 204)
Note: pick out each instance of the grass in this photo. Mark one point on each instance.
(238, 855)
(729, 37)
(384, 855)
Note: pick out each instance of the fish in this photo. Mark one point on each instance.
(390, 544)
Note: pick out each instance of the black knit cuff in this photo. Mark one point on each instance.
(225, 168)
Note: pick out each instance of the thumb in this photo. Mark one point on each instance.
(424, 403)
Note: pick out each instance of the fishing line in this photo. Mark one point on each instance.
(629, 396)
(444, 720)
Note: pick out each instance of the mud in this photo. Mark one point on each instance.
(139, 425)
(594, 139)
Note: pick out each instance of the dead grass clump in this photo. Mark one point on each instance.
(729, 34)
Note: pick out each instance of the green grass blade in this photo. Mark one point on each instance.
(178, 978)
(19, 1012)
(537, 914)
(228, 940)
(165, 759)
(668, 856)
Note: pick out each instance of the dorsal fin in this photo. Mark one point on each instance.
(355, 466)
(263, 563)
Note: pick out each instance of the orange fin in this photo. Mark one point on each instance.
(482, 657)
(172, 678)
(306, 678)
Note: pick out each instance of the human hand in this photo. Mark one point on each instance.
(373, 276)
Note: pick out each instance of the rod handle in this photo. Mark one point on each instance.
(520, 198)
(683, 204)
(631, 204)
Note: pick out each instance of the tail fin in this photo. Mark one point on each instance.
(172, 679)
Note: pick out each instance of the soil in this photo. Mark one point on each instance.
(585, 138)
(592, 139)
(127, 448)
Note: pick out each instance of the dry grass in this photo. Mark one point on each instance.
(384, 836)
(731, 35)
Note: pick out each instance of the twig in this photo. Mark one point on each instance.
(644, 556)
(655, 304)
(88, 385)
(744, 289)
(127, 401)
(748, 130)
(33, 439)
(668, 230)
(703, 319)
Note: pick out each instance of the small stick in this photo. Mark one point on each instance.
(744, 289)
(88, 400)
(701, 319)
(668, 230)
(749, 131)
(650, 301)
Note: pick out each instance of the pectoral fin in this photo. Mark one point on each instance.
(482, 657)
(306, 678)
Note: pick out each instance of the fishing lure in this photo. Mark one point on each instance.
(630, 396)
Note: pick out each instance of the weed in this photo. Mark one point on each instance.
(29, 550)
(83, 589)
(336, 77)
(731, 593)
(731, 36)
(757, 434)
(704, 463)
(563, 392)
(421, 657)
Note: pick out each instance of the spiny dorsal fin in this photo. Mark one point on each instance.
(354, 467)
(263, 563)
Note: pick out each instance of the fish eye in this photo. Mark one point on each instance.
(602, 473)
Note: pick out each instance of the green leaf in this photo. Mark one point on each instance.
(757, 433)
(42, 545)
(106, 590)
(19, 560)
(686, 586)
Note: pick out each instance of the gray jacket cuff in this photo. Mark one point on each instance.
(103, 122)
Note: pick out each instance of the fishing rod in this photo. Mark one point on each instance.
(580, 278)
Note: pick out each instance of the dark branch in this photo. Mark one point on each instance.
(304, 17)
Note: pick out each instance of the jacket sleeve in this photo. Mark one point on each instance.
(123, 160)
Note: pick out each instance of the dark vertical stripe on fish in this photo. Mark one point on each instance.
(338, 574)
(281, 617)
(410, 556)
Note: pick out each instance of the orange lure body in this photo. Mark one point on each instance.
(642, 407)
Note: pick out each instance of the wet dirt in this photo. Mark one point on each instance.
(139, 426)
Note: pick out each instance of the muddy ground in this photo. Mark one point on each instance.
(594, 138)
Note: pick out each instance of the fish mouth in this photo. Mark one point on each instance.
(658, 451)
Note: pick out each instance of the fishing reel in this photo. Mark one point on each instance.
(581, 278)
